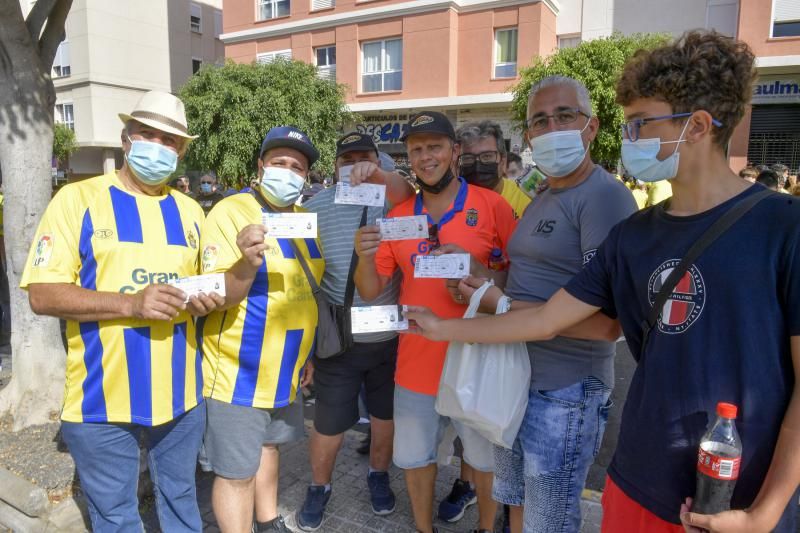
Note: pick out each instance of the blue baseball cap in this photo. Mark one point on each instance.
(290, 137)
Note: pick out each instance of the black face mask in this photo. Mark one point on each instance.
(439, 186)
(481, 174)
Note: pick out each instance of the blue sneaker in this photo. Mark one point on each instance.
(380, 493)
(461, 496)
(309, 518)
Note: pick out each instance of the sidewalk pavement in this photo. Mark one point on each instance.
(349, 509)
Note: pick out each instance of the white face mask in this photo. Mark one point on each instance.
(280, 186)
(640, 158)
(559, 153)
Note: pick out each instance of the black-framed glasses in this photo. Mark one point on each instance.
(492, 156)
(433, 237)
(630, 129)
(562, 117)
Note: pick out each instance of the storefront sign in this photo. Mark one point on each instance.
(384, 129)
(783, 90)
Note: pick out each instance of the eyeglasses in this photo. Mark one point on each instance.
(630, 129)
(433, 237)
(491, 156)
(562, 117)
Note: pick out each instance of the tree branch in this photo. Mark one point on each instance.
(38, 16)
(53, 33)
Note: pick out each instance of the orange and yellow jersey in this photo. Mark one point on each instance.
(100, 236)
(253, 353)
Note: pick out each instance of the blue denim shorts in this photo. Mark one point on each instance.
(546, 469)
(419, 430)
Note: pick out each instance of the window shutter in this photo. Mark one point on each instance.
(787, 10)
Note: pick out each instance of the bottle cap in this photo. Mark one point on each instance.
(497, 252)
(727, 410)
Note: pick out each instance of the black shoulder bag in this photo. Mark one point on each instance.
(718, 228)
(334, 335)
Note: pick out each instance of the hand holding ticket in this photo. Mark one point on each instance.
(400, 228)
(377, 318)
(205, 284)
(290, 225)
(448, 266)
(364, 194)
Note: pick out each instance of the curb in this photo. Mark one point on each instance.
(25, 507)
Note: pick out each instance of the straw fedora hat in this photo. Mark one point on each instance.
(162, 111)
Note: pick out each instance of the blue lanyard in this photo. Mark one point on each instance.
(458, 205)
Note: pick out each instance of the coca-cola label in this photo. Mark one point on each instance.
(716, 466)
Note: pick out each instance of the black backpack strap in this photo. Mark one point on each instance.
(719, 227)
(350, 286)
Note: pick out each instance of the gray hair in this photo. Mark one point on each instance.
(584, 100)
(472, 132)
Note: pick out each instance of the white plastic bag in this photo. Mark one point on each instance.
(486, 386)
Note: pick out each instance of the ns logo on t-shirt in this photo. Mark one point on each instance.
(684, 306)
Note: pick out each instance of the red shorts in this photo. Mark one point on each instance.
(623, 515)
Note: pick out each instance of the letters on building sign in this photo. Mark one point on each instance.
(772, 91)
(384, 129)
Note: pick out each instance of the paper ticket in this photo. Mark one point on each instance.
(400, 228)
(206, 284)
(364, 194)
(378, 318)
(448, 266)
(290, 225)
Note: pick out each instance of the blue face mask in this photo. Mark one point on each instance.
(640, 158)
(205, 188)
(559, 153)
(152, 163)
(280, 186)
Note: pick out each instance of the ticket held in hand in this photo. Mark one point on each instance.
(203, 284)
(290, 225)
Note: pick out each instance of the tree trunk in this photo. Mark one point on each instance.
(27, 99)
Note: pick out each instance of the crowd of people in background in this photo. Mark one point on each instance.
(216, 377)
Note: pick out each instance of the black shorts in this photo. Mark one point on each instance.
(338, 380)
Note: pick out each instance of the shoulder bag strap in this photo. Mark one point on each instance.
(350, 287)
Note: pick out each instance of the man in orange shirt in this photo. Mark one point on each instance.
(460, 215)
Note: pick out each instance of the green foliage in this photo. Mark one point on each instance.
(63, 142)
(231, 108)
(598, 64)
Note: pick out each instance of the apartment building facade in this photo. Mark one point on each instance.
(116, 50)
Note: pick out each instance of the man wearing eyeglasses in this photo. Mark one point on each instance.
(476, 220)
(484, 162)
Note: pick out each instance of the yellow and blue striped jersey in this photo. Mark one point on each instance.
(253, 353)
(102, 237)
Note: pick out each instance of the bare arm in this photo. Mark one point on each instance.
(397, 189)
(369, 283)
(531, 324)
(783, 476)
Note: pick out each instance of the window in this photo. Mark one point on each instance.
(272, 9)
(64, 115)
(569, 41)
(196, 64)
(217, 24)
(322, 4)
(269, 57)
(505, 53)
(326, 63)
(196, 18)
(61, 62)
(786, 21)
(723, 16)
(382, 68)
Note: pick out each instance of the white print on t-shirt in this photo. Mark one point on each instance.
(685, 304)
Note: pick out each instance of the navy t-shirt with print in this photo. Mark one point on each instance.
(723, 335)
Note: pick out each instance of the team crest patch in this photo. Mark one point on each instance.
(44, 249)
(210, 256)
(685, 304)
(472, 217)
(191, 239)
(422, 119)
(351, 139)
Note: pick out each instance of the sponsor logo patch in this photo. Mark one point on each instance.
(351, 139)
(210, 256)
(44, 249)
(104, 233)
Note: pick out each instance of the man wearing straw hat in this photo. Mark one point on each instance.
(103, 255)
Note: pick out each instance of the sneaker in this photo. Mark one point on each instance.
(309, 518)
(461, 496)
(380, 493)
(276, 524)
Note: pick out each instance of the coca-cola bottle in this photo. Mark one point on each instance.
(718, 463)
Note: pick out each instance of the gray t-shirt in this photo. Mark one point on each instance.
(337, 225)
(558, 234)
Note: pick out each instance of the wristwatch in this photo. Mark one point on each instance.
(504, 303)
